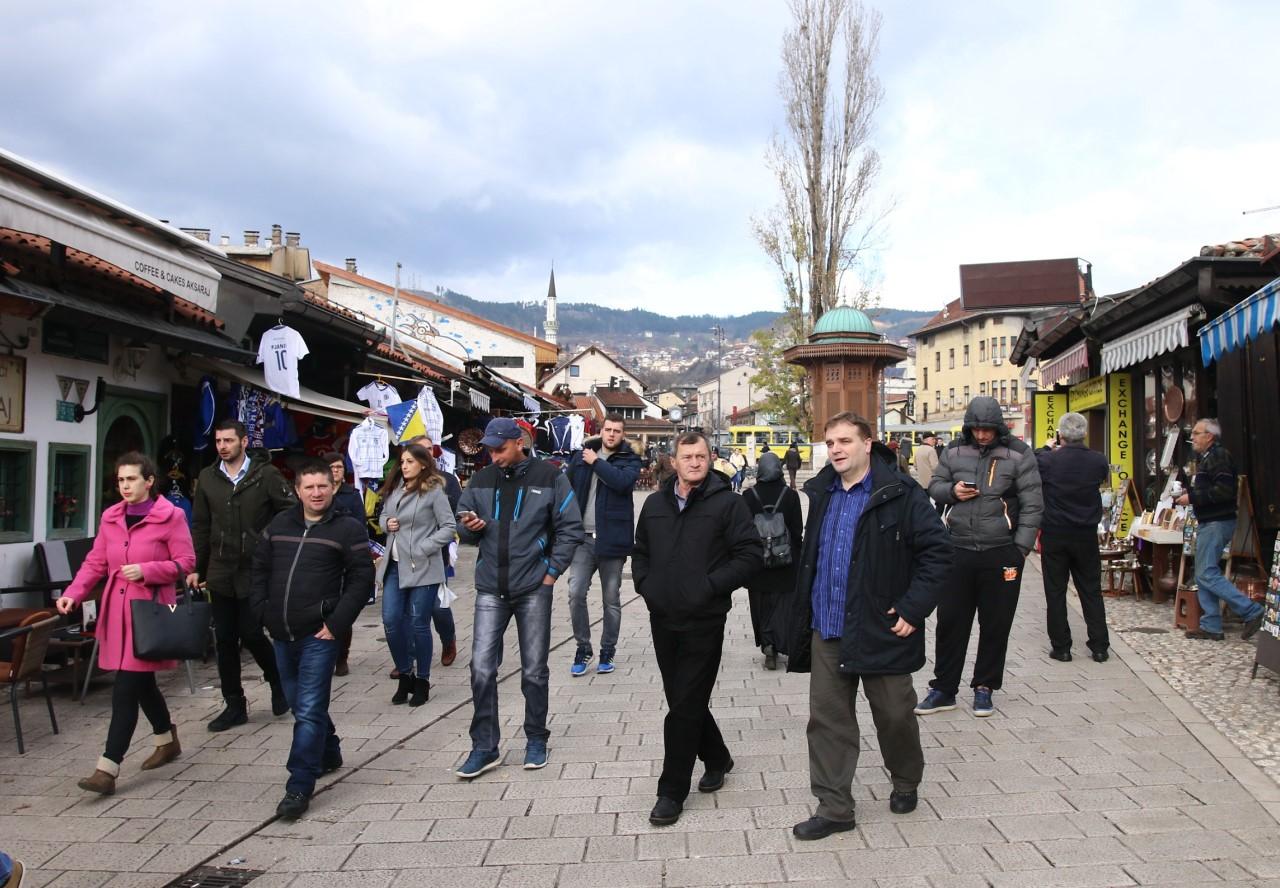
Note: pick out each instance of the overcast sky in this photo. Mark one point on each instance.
(479, 142)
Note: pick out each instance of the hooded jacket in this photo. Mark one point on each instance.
(900, 559)
(616, 478)
(1009, 504)
(532, 526)
(687, 563)
(227, 519)
(308, 577)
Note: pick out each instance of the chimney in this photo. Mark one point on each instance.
(351, 265)
(292, 238)
(250, 238)
(225, 240)
(276, 231)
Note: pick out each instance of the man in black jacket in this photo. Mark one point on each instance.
(1213, 496)
(1071, 477)
(695, 544)
(311, 575)
(233, 501)
(875, 557)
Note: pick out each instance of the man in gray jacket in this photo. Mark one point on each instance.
(990, 485)
(521, 512)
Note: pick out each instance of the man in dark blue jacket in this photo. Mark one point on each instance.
(1071, 477)
(875, 557)
(603, 474)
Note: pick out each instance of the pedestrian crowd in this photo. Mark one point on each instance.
(843, 596)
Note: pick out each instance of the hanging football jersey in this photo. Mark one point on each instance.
(432, 415)
(378, 395)
(279, 352)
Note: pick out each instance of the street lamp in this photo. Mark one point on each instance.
(719, 331)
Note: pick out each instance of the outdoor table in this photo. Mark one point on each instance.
(1166, 547)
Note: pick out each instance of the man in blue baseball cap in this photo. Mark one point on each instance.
(522, 514)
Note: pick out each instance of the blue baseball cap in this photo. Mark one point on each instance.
(499, 431)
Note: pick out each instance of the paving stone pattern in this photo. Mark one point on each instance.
(1088, 775)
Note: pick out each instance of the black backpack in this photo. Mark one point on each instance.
(771, 526)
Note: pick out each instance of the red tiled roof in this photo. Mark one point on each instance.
(327, 271)
(953, 313)
(586, 403)
(1250, 247)
(619, 398)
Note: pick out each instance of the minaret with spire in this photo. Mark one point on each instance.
(551, 327)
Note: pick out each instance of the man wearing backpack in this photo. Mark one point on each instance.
(775, 508)
(875, 558)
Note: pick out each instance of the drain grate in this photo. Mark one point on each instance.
(1146, 630)
(215, 877)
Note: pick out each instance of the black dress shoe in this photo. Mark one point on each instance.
(292, 806)
(1101, 656)
(1205, 636)
(820, 827)
(902, 802)
(713, 779)
(1062, 655)
(665, 812)
(1251, 627)
(331, 763)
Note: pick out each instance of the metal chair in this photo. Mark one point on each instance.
(30, 643)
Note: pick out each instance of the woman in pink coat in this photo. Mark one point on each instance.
(143, 547)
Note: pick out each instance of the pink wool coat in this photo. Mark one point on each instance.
(154, 544)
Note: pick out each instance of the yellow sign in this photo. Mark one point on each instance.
(1089, 394)
(1120, 439)
(1048, 409)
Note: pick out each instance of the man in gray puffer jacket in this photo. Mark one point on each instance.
(990, 485)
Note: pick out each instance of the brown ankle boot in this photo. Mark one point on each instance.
(103, 780)
(167, 749)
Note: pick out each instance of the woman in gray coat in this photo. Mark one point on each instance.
(419, 522)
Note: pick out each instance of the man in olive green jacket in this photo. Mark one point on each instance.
(234, 499)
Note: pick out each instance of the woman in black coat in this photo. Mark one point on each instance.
(769, 586)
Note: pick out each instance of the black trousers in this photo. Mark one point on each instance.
(986, 583)
(233, 625)
(689, 661)
(1076, 555)
(131, 691)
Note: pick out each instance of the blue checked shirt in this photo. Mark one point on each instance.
(835, 551)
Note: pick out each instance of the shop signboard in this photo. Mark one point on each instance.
(1120, 437)
(1049, 407)
(1089, 394)
(13, 393)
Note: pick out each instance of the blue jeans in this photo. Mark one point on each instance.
(306, 670)
(584, 564)
(532, 612)
(406, 618)
(6, 867)
(1211, 539)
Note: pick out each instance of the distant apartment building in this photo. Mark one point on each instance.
(587, 370)
(721, 396)
(963, 351)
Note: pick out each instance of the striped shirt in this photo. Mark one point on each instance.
(835, 554)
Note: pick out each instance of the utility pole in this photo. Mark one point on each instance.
(395, 307)
(719, 331)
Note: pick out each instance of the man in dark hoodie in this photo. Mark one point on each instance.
(695, 544)
(603, 474)
(990, 485)
(875, 559)
(311, 575)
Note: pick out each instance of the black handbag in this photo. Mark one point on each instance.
(170, 631)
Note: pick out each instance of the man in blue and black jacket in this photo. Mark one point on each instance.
(1213, 496)
(522, 514)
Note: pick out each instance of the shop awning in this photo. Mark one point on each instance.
(1061, 368)
(1241, 323)
(130, 241)
(308, 401)
(1165, 335)
(124, 321)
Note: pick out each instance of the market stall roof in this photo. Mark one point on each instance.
(37, 201)
(1165, 335)
(308, 401)
(126, 321)
(1065, 365)
(1242, 323)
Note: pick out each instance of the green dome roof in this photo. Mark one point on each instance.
(844, 319)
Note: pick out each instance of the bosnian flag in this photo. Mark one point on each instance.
(405, 421)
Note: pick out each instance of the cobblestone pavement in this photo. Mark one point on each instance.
(1212, 676)
(1088, 775)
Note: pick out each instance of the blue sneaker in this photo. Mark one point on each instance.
(606, 664)
(477, 763)
(936, 701)
(580, 661)
(535, 755)
(982, 705)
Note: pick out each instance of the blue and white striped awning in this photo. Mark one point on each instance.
(1241, 323)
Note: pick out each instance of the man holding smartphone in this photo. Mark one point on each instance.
(990, 485)
(522, 514)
